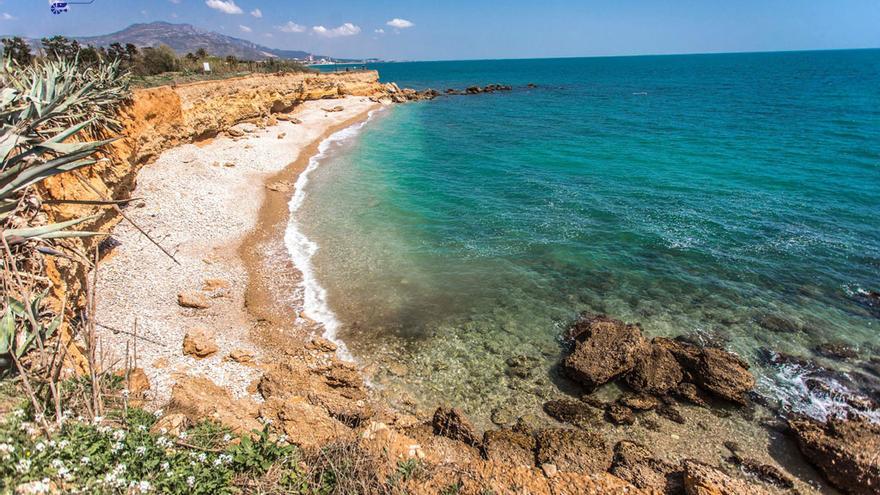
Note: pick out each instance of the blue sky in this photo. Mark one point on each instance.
(456, 29)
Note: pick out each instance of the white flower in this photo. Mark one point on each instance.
(63, 444)
(39, 486)
(6, 451)
(217, 462)
(144, 486)
(98, 419)
(85, 460)
(182, 435)
(202, 457)
(57, 463)
(142, 428)
(117, 447)
(163, 431)
(125, 393)
(227, 438)
(23, 466)
(282, 440)
(191, 481)
(18, 413)
(39, 446)
(140, 450)
(158, 413)
(163, 442)
(119, 435)
(38, 417)
(165, 466)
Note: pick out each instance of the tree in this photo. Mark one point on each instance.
(191, 58)
(18, 50)
(157, 60)
(202, 53)
(89, 55)
(132, 52)
(231, 60)
(60, 48)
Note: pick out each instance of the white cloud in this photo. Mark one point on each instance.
(400, 23)
(379, 31)
(292, 27)
(257, 13)
(174, 1)
(347, 29)
(7, 16)
(174, 15)
(244, 29)
(225, 6)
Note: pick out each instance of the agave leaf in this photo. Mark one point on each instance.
(44, 230)
(7, 331)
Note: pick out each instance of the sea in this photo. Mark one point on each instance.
(729, 199)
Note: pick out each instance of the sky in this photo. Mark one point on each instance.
(482, 29)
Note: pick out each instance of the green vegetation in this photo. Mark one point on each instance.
(149, 66)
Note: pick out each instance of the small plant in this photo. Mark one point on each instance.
(452, 489)
(257, 456)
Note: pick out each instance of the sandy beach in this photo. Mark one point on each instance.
(219, 206)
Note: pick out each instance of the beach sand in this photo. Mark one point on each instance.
(220, 207)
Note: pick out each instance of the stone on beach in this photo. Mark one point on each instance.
(573, 450)
(242, 356)
(193, 299)
(638, 465)
(701, 479)
(199, 342)
(656, 372)
(716, 371)
(199, 398)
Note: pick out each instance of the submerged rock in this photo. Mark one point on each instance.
(570, 411)
(836, 350)
(604, 348)
(845, 451)
(573, 450)
(509, 446)
(778, 324)
(619, 415)
(639, 402)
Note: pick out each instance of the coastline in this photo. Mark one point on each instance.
(220, 206)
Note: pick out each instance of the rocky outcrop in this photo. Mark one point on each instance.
(604, 348)
(846, 451)
(305, 425)
(573, 450)
(451, 423)
(716, 371)
(569, 411)
(700, 479)
(636, 463)
(199, 398)
(509, 446)
(656, 372)
(199, 343)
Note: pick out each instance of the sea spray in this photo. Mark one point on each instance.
(302, 249)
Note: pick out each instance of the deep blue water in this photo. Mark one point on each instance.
(698, 195)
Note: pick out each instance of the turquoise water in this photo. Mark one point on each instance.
(697, 195)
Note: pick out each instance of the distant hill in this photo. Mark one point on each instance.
(185, 38)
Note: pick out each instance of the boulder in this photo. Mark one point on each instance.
(199, 398)
(844, 450)
(452, 423)
(337, 108)
(305, 425)
(635, 463)
(509, 446)
(242, 356)
(604, 348)
(690, 392)
(138, 383)
(199, 342)
(655, 372)
(573, 450)
(570, 411)
(671, 413)
(716, 371)
(700, 479)
(619, 415)
(350, 412)
(170, 424)
(639, 402)
(193, 299)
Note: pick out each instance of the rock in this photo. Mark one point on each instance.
(844, 450)
(671, 413)
(532, 85)
(570, 411)
(604, 348)
(549, 470)
(509, 446)
(381, 440)
(343, 375)
(472, 90)
(350, 412)
(295, 121)
(305, 425)
(639, 402)
(242, 356)
(451, 423)
(233, 132)
(215, 284)
(635, 463)
(778, 324)
(836, 350)
(655, 372)
(193, 299)
(521, 366)
(170, 424)
(573, 450)
(619, 415)
(700, 479)
(281, 135)
(138, 382)
(719, 372)
(764, 472)
(337, 108)
(690, 393)
(280, 186)
(229, 164)
(199, 343)
(321, 344)
(199, 398)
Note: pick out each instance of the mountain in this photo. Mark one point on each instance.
(184, 38)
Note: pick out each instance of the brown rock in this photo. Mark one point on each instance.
(573, 450)
(700, 479)
(281, 135)
(836, 350)
(619, 415)
(199, 398)
(305, 425)
(636, 464)
(671, 413)
(846, 451)
(171, 424)
(138, 382)
(655, 372)
(451, 423)
(213, 284)
(321, 344)
(690, 393)
(604, 348)
(337, 108)
(639, 402)
(233, 132)
(193, 299)
(509, 446)
(716, 371)
(341, 374)
(570, 411)
(199, 343)
(350, 412)
(242, 356)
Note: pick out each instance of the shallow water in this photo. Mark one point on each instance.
(697, 195)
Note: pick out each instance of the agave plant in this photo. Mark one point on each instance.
(42, 108)
(20, 326)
